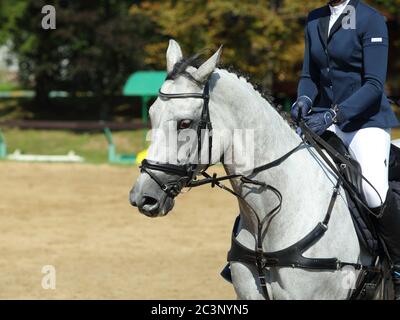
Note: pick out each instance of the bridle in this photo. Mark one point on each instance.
(187, 172)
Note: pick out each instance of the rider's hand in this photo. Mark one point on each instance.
(319, 122)
(301, 108)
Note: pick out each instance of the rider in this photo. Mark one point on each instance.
(341, 89)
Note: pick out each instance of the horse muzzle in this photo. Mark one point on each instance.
(151, 201)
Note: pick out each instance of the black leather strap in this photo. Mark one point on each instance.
(185, 173)
(168, 96)
(278, 161)
(289, 257)
(165, 167)
(314, 140)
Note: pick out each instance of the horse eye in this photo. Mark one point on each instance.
(184, 124)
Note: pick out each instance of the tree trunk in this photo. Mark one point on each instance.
(41, 101)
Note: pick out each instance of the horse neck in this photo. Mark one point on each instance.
(240, 106)
(298, 178)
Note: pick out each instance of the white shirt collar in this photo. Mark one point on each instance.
(338, 10)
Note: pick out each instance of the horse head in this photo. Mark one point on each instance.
(180, 120)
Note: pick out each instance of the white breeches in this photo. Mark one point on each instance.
(371, 148)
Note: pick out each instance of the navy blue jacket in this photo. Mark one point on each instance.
(349, 67)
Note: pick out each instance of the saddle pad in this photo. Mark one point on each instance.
(364, 227)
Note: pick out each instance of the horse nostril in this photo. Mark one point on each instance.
(149, 206)
(149, 201)
(132, 198)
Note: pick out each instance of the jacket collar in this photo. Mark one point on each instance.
(323, 23)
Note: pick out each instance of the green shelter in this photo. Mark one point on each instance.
(144, 84)
(3, 146)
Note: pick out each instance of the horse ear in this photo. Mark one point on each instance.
(204, 71)
(174, 54)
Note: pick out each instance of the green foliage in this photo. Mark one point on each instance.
(391, 6)
(8, 86)
(10, 12)
(259, 38)
(97, 44)
(262, 38)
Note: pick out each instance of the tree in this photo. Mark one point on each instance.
(95, 46)
(10, 12)
(391, 9)
(261, 38)
(264, 38)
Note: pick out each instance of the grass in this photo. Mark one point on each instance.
(92, 146)
(5, 86)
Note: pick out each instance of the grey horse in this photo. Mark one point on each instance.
(305, 182)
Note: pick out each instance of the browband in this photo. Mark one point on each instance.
(180, 95)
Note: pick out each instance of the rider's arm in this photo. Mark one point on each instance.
(310, 75)
(375, 45)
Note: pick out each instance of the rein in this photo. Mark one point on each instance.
(289, 257)
(316, 141)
